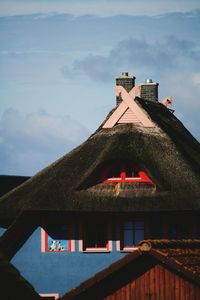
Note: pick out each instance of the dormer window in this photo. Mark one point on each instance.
(124, 171)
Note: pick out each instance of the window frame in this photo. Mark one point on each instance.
(120, 243)
(82, 230)
(44, 240)
(143, 177)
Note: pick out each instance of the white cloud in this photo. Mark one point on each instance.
(34, 48)
(31, 142)
(172, 62)
(145, 58)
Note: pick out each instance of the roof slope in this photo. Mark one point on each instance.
(9, 182)
(180, 256)
(13, 285)
(169, 153)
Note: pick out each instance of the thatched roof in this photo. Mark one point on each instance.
(169, 153)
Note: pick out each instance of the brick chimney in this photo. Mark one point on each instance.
(149, 90)
(126, 81)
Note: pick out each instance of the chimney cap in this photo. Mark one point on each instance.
(148, 80)
(126, 75)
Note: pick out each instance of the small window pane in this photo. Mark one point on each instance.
(57, 238)
(129, 225)
(128, 238)
(139, 225)
(133, 233)
(139, 236)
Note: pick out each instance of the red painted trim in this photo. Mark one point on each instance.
(143, 177)
(46, 244)
(123, 175)
(69, 246)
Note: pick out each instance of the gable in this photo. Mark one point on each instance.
(146, 273)
(128, 117)
(156, 283)
(128, 110)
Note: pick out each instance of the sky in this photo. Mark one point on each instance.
(59, 60)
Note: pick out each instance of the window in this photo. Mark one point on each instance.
(133, 233)
(55, 239)
(124, 171)
(96, 237)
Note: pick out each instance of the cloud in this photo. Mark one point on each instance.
(93, 50)
(139, 55)
(171, 61)
(31, 142)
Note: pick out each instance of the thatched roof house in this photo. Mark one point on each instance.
(137, 177)
(168, 153)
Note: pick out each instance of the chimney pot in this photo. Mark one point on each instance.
(125, 74)
(149, 80)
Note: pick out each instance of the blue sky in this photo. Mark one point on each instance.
(59, 60)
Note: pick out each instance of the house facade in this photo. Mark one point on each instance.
(136, 178)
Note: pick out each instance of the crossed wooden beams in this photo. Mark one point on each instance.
(128, 102)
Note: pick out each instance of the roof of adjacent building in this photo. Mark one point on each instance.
(179, 256)
(13, 285)
(168, 152)
(9, 182)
